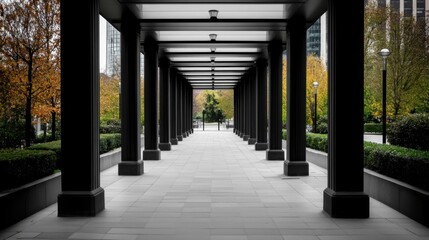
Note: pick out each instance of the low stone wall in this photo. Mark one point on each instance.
(19, 203)
(404, 198)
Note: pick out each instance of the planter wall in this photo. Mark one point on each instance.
(19, 203)
(404, 198)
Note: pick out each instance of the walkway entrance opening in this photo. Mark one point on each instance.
(213, 44)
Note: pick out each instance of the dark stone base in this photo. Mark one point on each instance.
(192, 130)
(276, 155)
(174, 141)
(241, 135)
(130, 168)
(184, 135)
(151, 155)
(246, 137)
(80, 203)
(261, 146)
(180, 137)
(165, 146)
(296, 168)
(346, 204)
(252, 141)
(233, 130)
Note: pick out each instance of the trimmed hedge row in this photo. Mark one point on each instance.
(411, 131)
(373, 127)
(18, 167)
(108, 142)
(404, 164)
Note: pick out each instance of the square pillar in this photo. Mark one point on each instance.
(252, 106)
(275, 151)
(173, 113)
(131, 162)
(261, 106)
(81, 194)
(296, 34)
(179, 107)
(345, 197)
(151, 150)
(164, 105)
(184, 109)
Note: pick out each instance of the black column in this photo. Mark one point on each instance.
(244, 109)
(164, 105)
(131, 162)
(275, 151)
(173, 113)
(261, 106)
(295, 164)
(184, 108)
(252, 107)
(151, 150)
(246, 136)
(235, 111)
(191, 109)
(345, 195)
(179, 107)
(81, 194)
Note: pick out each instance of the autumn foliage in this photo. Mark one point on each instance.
(30, 62)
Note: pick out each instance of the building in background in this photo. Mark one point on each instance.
(113, 52)
(317, 39)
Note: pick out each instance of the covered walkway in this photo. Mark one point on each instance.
(215, 186)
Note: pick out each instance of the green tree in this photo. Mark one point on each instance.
(211, 107)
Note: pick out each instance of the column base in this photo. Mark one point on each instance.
(165, 146)
(130, 168)
(151, 154)
(233, 130)
(252, 141)
(346, 204)
(241, 135)
(179, 137)
(174, 141)
(80, 203)
(276, 154)
(246, 137)
(261, 146)
(237, 133)
(296, 168)
(192, 130)
(184, 135)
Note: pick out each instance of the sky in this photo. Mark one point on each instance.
(102, 44)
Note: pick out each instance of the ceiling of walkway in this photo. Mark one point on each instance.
(185, 31)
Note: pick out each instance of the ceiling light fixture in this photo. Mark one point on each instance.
(213, 37)
(212, 59)
(213, 13)
(213, 49)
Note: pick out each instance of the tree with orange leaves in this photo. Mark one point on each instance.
(30, 53)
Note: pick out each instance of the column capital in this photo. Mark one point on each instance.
(261, 62)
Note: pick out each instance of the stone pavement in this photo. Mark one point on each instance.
(214, 186)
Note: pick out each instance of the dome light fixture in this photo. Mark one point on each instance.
(213, 49)
(213, 13)
(212, 59)
(213, 37)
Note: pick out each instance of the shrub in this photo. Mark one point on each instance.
(54, 146)
(411, 131)
(18, 167)
(373, 127)
(284, 134)
(404, 164)
(12, 132)
(109, 142)
(110, 126)
(317, 141)
(322, 124)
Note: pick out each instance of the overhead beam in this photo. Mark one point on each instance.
(215, 64)
(218, 77)
(214, 1)
(212, 54)
(209, 44)
(210, 72)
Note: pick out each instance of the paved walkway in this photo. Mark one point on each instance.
(213, 186)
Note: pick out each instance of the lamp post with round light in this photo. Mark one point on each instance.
(315, 86)
(384, 53)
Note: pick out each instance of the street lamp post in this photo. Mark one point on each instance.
(204, 112)
(315, 86)
(384, 53)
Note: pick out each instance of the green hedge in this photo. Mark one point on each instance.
(18, 167)
(410, 131)
(317, 141)
(404, 164)
(110, 126)
(407, 165)
(373, 128)
(108, 142)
